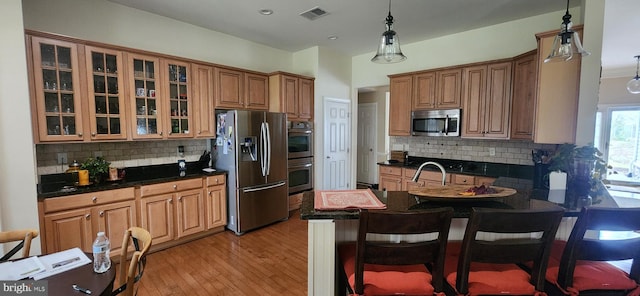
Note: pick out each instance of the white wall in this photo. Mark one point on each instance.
(494, 42)
(613, 91)
(18, 196)
(593, 14)
(108, 22)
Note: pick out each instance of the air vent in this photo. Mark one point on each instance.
(314, 13)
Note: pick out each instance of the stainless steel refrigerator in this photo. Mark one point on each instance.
(252, 146)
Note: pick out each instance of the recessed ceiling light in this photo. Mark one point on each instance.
(332, 37)
(265, 11)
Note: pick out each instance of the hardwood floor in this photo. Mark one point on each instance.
(268, 261)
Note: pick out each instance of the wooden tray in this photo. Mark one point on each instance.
(453, 192)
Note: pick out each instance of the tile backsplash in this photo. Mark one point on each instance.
(120, 154)
(509, 152)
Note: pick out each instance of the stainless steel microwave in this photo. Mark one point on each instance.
(436, 123)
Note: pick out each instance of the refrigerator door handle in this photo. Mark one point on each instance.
(281, 183)
(263, 145)
(268, 156)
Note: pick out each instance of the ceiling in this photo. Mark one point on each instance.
(358, 24)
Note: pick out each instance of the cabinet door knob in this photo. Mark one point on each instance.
(87, 216)
(175, 187)
(170, 200)
(101, 213)
(180, 198)
(93, 134)
(94, 199)
(199, 132)
(160, 133)
(80, 135)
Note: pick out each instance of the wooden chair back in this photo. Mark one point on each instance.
(579, 247)
(131, 273)
(537, 226)
(23, 236)
(427, 250)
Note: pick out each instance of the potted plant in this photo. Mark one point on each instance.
(584, 166)
(98, 168)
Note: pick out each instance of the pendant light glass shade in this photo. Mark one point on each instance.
(633, 86)
(567, 43)
(389, 50)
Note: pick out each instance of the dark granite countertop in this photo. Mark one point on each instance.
(487, 169)
(56, 185)
(403, 201)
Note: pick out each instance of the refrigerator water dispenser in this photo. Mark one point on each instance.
(248, 150)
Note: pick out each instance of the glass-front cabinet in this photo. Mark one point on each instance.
(56, 87)
(146, 107)
(178, 103)
(106, 94)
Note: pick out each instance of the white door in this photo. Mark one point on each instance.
(337, 139)
(367, 122)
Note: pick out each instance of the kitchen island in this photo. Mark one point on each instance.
(328, 228)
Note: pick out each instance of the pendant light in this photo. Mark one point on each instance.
(633, 86)
(567, 42)
(389, 50)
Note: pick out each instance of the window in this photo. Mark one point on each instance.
(617, 136)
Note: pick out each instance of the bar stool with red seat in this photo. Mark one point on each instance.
(578, 266)
(489, 266)
(413, 265)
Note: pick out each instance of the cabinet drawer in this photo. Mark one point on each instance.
(87, 199)
(387, 170)
(169, 187)
(464, 179)
(428, 175)
(216, 180)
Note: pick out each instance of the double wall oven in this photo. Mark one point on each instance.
(300, 154)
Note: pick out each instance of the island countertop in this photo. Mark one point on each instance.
(404, 201)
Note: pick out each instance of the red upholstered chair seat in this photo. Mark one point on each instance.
(488, 264)
(488, 278)
(387, 279)
(409, 264)
(588, 275)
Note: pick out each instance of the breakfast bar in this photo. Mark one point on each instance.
(328, 228)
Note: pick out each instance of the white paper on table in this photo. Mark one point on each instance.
(62, 261)
(20, 269)
(557, 186)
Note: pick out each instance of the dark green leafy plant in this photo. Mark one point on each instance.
(565, 154)
(97, 167)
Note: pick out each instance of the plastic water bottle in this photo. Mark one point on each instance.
(101, 249)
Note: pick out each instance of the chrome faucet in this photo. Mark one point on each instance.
(444, 174)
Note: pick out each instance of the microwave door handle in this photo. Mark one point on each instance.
(446, 125)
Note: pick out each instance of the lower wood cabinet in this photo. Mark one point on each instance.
(74, 220)
(215, 202)
(399, 179)
(170, 211)
(390, 178)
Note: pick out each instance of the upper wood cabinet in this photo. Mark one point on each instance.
(523, 95)
(106, 98)
(256, 90)
(145, 95)
(178, 101)
(487, 101)
(557, 94)
(400, 89)
(449, 89)
(437, 89)
(56, 90)
(291, 94)
(204, 122)
(88, 91)
(241, 90)
(424, 92)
